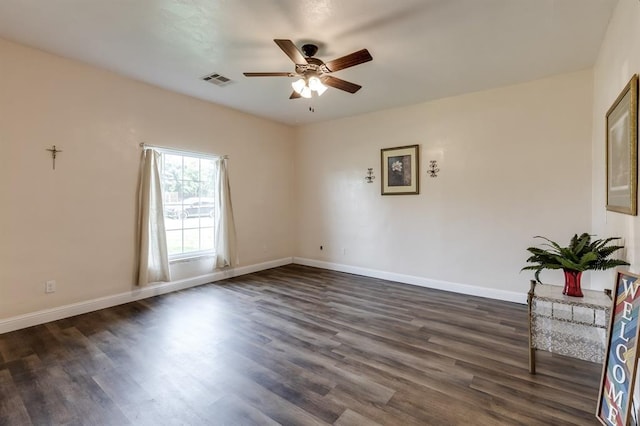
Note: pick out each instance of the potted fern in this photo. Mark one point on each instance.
(582, 254)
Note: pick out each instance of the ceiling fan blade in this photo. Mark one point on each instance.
(291, 50)
(338, 83)
(268, 74)
(295, 95)
(350, 60)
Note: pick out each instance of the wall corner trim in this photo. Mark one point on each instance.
(53, 314)
(471, 290)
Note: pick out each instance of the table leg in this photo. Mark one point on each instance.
(532, 360)
(532, 349)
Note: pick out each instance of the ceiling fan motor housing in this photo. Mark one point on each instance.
(314, 66)
(309, 50)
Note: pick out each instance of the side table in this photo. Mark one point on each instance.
(571, 326)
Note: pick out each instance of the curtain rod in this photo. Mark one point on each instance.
(183, 151)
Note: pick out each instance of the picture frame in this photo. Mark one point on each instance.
(622, 151)
(617, 403)
(400, 170)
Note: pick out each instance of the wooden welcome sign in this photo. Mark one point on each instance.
(619, 370)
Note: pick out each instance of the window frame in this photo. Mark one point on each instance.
(191, 255)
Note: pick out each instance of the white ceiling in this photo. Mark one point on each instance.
(422, 49)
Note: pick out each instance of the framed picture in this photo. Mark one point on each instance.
(622, 151)
(617, 403)
(400, 170)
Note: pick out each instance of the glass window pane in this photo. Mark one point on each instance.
(191, 240)
(171, 221)
(206, 221)
(172, 191)
(173, 162)
(207, 168)
(191, 168)
(172, 166)
(190, 191)
(171, 179)
(191, 222)
(206, 239)
(174, 242)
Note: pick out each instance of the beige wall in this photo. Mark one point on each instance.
(515, 162)
(618, 60)
(76, 224)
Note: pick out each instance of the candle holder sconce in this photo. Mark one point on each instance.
(433, 169)
(369, 177)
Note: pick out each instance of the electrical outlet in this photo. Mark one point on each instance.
(50, 286)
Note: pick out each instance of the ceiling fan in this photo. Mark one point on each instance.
(312, 72)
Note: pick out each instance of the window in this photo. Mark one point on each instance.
(189, 208)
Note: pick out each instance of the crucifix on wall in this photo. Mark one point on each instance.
(53, 152)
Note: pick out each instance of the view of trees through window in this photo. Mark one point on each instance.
(189, 208)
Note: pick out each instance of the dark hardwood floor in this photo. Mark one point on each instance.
(294, 346)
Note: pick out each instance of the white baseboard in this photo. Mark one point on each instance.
(509, 296)
(53, 314)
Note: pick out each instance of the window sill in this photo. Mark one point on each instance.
(193, 258)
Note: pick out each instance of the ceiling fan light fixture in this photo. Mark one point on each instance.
(314, 83)
(299, 85)
(306, 92)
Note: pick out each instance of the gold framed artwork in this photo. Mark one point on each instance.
(400, 170)
(622, 151)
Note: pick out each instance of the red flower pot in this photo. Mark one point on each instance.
(572, 283)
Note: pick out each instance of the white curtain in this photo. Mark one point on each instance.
(225, 230)
(153, 263)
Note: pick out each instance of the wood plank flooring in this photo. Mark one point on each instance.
(293, 346)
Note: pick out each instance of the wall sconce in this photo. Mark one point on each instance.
(369, 177)
(433, 168)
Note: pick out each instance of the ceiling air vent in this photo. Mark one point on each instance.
(217, 79)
